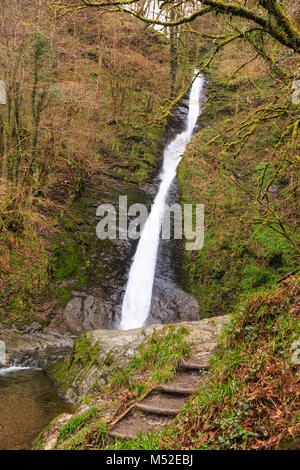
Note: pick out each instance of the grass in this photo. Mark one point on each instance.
(160, 356)
(76, 424)
(84, 357)
(248, 402)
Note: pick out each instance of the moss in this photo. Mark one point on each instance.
(140, 152)
(83, 357)
(85, 353)
(88, 398)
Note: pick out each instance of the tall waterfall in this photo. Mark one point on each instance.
(137, 299)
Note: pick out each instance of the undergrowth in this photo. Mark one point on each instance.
(250, 400)
(242, 254)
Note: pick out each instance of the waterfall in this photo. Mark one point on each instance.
(137, 299)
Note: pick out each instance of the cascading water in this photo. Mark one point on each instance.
(137, 299)
(7, 370)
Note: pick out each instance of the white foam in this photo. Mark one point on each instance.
(7, 370)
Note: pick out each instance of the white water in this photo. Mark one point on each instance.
(137, 299)
(7, 370)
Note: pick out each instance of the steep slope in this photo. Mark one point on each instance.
(248, 399)
(234, 159)
(103, 79)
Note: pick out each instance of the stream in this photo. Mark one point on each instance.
(28, 402)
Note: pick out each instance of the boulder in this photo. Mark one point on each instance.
(100, 310)
(116, 348)
(171, 304)
(86, 312)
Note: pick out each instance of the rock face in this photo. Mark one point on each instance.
(117, 348)
(99, 311)
(86, 312)
(170, 304)
(37, 349)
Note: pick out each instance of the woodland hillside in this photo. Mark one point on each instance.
(80, 91)
(87, 91)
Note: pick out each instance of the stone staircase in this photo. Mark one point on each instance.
(163, 403)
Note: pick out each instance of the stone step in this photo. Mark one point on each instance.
(122, 435)
(158, 410)
(195, 364)
(177, 390)
(185, 383)
(161, 403)
(136, 422)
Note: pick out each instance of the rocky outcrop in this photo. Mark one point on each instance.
(96, 312)
(170, 304)
(35, 349)
(86, 312)
(100, 310)
(116, 348)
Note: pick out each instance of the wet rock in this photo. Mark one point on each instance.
(86, 313)
(36, 349)
(117, 348)
(150, 189)
(100, 309)
(33, 327)
(171, 304)
(47, 439)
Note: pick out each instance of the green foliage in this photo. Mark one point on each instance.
(84, 356)
(239, 256)
(25, 272)
(85, 353)
(77, 423)
(157, 361)
(143, 441)
(160, 355)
